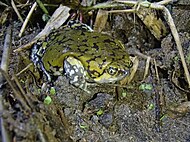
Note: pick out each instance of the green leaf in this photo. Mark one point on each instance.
(99, 112)
(47, 100)
(151, 106)
(83, 126)
(52, 91)
(145, 87)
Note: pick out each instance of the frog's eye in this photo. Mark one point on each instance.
(112, 71)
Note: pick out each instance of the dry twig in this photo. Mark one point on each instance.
(4, 67)
(16, 10)
(27, 19)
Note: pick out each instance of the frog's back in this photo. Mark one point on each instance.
(83, 45)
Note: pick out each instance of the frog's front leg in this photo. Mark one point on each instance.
(76, 73)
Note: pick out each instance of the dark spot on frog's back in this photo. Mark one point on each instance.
(108, 40)
(104, 60)
(82, 49)
(95, 36)
(86, 50)
(93, 73)
(95, 46)
(84, 40)
(65, 41)
(82, 54)
(93, 59)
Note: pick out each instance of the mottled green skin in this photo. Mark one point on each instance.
(95, 51)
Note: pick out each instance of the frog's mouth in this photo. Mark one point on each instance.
(107, 78)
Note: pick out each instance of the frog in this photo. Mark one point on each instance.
(82, 55)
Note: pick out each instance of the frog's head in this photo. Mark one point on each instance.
(115, 71)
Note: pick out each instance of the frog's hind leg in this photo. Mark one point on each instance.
(76, 73)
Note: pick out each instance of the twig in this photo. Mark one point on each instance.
(41, 135)
(147, 67)
(178, 42)
(119, 11)
(24, 5)
(144, 3)
(3, 4)
(4, 66)
(22, 90)
(104, 5)
(23, 70)
(156, 70)
(6, 49)
(164, 2)
(16, 93)
(42, 6)
(27, 19)
(16, 10)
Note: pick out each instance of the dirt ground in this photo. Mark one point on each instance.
(159, 112)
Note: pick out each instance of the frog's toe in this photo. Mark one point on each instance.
(84, 86)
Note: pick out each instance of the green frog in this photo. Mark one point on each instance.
(82, 55)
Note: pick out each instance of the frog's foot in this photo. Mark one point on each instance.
(76, 73)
